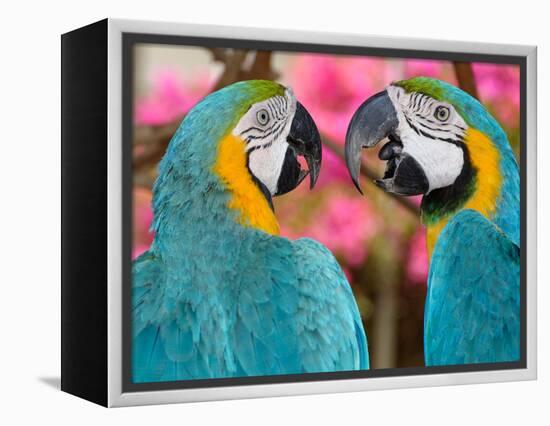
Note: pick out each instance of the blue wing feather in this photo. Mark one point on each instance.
(166, 342)
(290, 310)
(331, 335)
(472, 306)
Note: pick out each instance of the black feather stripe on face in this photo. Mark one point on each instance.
(278, 113)
(276, 131)
(262, 130)
(418, 116)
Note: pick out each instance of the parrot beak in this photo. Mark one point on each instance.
(304, 140)
(375, 120)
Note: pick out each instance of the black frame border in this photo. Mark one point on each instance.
(129, 40)
(84, 146)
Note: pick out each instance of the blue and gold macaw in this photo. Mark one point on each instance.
(443, 143)
(220, 293)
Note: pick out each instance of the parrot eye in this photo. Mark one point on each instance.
(262, 116)
(442, 113)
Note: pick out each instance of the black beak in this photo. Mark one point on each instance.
(375, 120)
(304, 140)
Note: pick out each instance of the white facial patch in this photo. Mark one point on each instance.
(431, 132)
(264, 128)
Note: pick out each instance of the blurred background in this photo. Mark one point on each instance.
(378, 239)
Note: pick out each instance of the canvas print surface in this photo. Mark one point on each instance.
(315, 213)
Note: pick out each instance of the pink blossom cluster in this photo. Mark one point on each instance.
(171, 96)
(143, 216)
(417, 258)
(332, 87)
(499, 86)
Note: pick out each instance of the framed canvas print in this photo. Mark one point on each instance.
(252, 212)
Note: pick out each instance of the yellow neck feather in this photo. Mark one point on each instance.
(246, 198)
(485, 158)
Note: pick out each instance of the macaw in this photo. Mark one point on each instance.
(220, 293)
(443, 144)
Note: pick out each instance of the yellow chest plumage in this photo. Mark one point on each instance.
(246, 198)
(485, 158)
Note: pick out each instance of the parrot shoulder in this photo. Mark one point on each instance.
(472, 306)
(329, 324)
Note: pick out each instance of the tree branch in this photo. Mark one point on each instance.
(465, 77)
(233, 64)
(261, 67)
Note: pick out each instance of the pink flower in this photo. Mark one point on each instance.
(499, 87)
(333, 169)
(143, 216)
(172, 95)
(333, 87)
(417, 259)
(441, 70)
(416, 199)
(139, 250)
